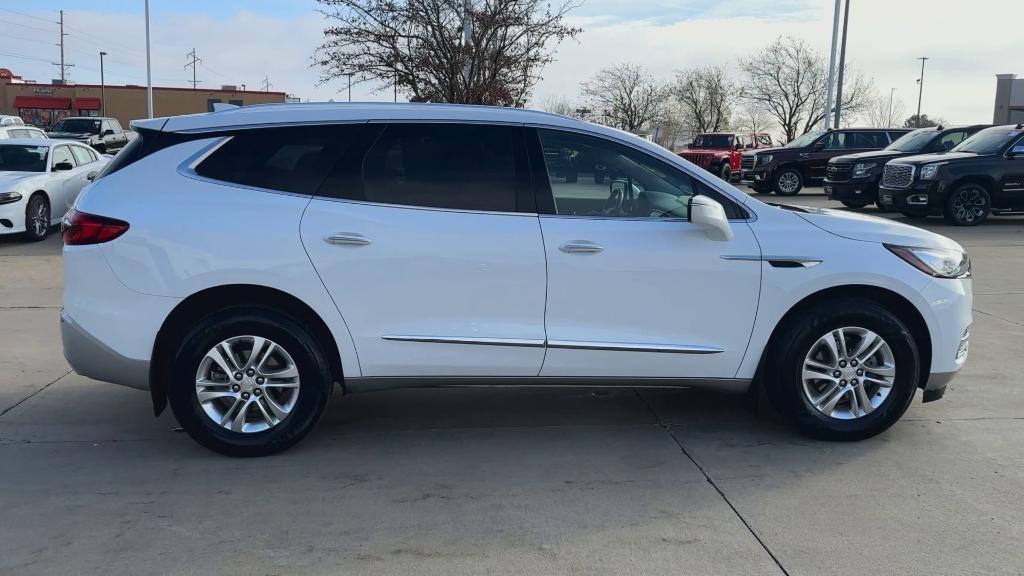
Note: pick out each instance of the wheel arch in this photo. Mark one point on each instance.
(985, 181)
(904, 309)
(209, 300)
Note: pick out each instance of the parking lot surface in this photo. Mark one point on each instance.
(513, 481)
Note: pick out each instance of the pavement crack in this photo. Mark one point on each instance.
(714, 484)
(997, 317)
(19, 402)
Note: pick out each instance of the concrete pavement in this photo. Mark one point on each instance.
(535, 481)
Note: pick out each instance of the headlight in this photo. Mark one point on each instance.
(764, 160)
(861, 170)
(938, 262)
(9, 197)
(928, 171)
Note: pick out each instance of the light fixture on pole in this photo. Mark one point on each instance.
(920, 90)
(149, 70)
(103, 87)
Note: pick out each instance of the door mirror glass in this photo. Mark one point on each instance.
(819, 145)
(710, 216)
(107, 132)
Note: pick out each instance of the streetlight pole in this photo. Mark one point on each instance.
(920, 90)
(831, 66)
(149, 70)
(349, 86)
(889, 117)
(842, 65)
(103, 86)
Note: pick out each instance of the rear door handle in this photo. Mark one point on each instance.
(347, 239)
(581, 247)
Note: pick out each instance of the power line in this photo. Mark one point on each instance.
(266, 85)
(25, 15)
(36, 28)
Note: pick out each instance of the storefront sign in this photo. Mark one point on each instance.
(43, 91)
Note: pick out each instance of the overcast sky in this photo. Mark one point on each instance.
(245, 41)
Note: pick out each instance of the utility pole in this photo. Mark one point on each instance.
(349, 86)
(194, 60)
(920, 90)
(63, 67)
(149, 70)
(842, 66)
(889, 117)
(831, 66)
(467, 46)
(266, 85)
(103, 86)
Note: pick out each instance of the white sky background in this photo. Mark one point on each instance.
(968, 43)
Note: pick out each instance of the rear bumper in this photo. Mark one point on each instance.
(93, 359)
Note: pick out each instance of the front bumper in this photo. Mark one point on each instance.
(12, 217)
(949, 320)
(922, 198)
(758, 178)
(854, 190)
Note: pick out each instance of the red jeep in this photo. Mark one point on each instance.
(720, 152)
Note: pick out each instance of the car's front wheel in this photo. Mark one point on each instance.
(37, 218)
(968, 205)
(789, 182)
(249, 381)
(843, 370)
(726, 173)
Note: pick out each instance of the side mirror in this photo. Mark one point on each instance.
(107, 133)
(1016, 150)
(61, 166)
(710, 216)
(819, 145)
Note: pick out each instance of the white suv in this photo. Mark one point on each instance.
(237, 264)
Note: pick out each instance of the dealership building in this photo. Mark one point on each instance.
(43, 104)
(1009, 107)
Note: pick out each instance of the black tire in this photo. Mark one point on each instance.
(857, 204)
(308, 355)
(783, 177)
(37, 225)
(726, 173)
(784, 362)
(968, 205)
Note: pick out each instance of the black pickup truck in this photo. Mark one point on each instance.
(983, 174)
(105, 135)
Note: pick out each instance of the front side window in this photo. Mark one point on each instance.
(591, 176)
(988, 141)
(294, 159)
(455, 166)
(949, 140)
(62, 155)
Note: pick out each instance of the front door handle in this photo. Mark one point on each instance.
(581, 247)
(347, 239)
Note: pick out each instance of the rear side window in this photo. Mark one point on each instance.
(293, 159)
(82, 155)
(870, 140)
(125, 157)
(456, 166)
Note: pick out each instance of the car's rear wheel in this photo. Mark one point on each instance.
(789, 182)
(249, 381)
(845, 370)
(37, 218)
(725, 173)
(968, 205)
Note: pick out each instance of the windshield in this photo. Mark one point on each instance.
(989, 141)
(80, 125)
(915, 141)
(712, 141)
(20, 158)
(805, 140)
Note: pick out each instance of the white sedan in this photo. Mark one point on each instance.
(40, 180)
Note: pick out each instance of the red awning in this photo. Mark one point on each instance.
(87, 103)
(42, 102)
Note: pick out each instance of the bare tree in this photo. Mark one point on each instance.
(627, 96)
(787, 79)
(885, 112)
(557, 105)
(418, 47)
(751, 117)
(706, 96)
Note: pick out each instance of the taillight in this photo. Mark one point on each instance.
(79, 228)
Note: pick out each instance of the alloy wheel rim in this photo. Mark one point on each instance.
(247, 384)
(40, 219)
(969, 205)
(788, 182)
(848, 373)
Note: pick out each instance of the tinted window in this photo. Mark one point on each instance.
(870, 140)
(62, 154)
(124, 158)
(82, 155)
(764, 140)
(951, 139)
(18, 158)
(894, 136)
(459, 166)
(838, 141)
(712, 141)
(294, 159)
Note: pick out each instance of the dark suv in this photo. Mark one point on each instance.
(787, 169)
(853, 179)
(983, 173)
